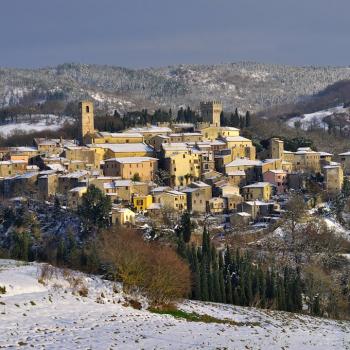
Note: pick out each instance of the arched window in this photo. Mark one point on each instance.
(87, 109)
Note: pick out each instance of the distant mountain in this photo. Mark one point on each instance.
(244, 85)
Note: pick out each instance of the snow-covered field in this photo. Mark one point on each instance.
(317, 118)
(52, 316)
(39, 123)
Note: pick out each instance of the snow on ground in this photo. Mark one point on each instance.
(49, 316)
(39, 123)
(316, 118)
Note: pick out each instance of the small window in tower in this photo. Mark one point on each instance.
(87, 109)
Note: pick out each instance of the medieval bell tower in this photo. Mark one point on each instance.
(86, 119)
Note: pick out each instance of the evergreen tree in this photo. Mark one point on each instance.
(95, 208)
(222, 286)
(186, 227)
(241, 122)
(235, 121)
(247, 119)
(204, 281)
(197, 293)
(229, 296)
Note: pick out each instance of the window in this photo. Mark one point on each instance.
(87, 109)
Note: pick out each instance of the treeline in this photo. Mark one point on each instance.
(234, 278)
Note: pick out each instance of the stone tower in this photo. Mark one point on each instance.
(86, 119)
(276, 148)
(210, 112)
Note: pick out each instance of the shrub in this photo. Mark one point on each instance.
(153, 269)
(2, 290)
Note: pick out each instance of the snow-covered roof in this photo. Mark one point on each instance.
(258, 184)
(78, 189)
(200, 184)
(236, 173)
(175, 193)
(257, 202)
(244, 162)
(149, 129)
(175, 146)
(345, 154)
(124, 147)
(119, 134)
(127, 160)
(277, 171)
(236, 139)
(76, 174)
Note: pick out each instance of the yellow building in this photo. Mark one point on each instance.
(148, 132)
(142, 202)
(86, 125)
(257, 191)
(171, 199)
(216, 205)
(186, 137)
(47, 186)
(333, 178)
(210, 112)
(124, 190)
(122, 216)
(233, 201)
(110, 150)
(304, 159)
(74, 197)
(183, 168)
(130, 167)
(246, 165)
(115, 137)
(12, 167)
(237, 177)
(345, 162)
(198, 196)
(276, 148)
(84, 154)
(240, 147)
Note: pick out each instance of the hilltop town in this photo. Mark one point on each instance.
(203, 168)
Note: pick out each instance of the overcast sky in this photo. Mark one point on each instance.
(143, 33)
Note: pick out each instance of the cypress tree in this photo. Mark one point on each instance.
(204, 281)
(229, 297)
(216, 287)
(235, 297)
(227, 261)
(197, 293)
(247, 119)
(222, 286)
(248, 287)
(181, 246)
(211, 286)
(235, 122)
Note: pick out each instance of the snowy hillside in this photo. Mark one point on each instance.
(69, 310)
(38, 122)
(318, 118)
(246, 85)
